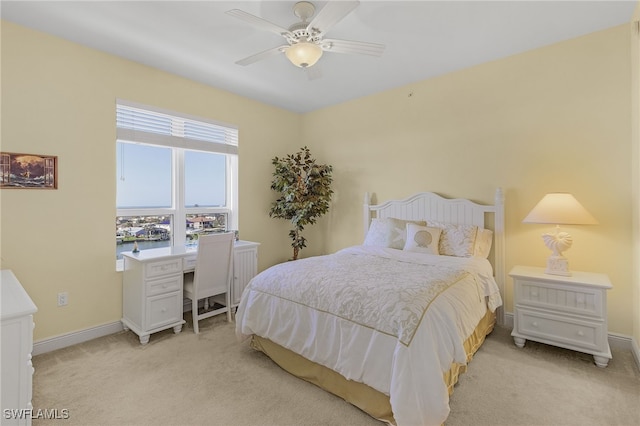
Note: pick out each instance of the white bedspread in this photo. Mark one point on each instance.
(391, 319)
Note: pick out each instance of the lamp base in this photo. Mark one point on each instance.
(558, 265)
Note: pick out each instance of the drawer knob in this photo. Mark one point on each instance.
(535, 323)
(534, 293)
(164, 310)
(580, 333)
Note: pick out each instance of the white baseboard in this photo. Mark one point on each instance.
(635, 350)
(508, 320)
(80, 336)
(620, 341)
(75, 337)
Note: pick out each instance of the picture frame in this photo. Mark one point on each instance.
(28, 171)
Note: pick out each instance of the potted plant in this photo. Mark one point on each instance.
(305, 193)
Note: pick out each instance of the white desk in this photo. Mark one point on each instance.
(152, 283)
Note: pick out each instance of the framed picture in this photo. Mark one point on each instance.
(28, 171)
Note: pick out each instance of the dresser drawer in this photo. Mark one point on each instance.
(163, 309)
(566, 332)
(580, 300)
(164, 285)
(164, 267)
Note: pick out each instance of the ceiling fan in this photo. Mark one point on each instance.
(305, 39)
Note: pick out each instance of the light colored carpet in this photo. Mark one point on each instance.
(211, 379)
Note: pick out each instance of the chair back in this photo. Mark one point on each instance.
(214, 265)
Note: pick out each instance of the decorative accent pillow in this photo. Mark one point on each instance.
(388, 232)
(484, 239)
(423, 239)
(456, 240)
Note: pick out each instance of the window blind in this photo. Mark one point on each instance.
(135, 124)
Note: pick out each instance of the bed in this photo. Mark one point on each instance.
(387, 325)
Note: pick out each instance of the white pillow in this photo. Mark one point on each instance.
(423, 239)
(456, 240)
(484, 239)
(388, 232)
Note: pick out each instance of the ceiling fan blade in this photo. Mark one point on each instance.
(332, 13)
(358, 47)
(262, 55)
(258, 22)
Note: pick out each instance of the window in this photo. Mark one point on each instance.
(176, 178)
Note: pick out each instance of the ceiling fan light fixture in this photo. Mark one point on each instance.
(304, 54)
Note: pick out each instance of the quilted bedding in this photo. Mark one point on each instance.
(391, 319)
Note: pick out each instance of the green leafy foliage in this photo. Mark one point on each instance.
(305, 193)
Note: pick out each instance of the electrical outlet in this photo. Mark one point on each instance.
(63, 298)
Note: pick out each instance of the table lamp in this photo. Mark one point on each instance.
(559, 209)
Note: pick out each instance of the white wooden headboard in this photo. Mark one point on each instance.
(429, 205)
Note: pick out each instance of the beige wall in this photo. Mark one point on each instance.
(635, 111)
(58, 98)
(553, 119)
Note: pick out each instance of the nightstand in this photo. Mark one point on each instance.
(569, 312)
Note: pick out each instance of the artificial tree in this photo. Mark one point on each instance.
(305, 193)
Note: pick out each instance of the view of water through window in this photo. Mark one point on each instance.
(156, 231)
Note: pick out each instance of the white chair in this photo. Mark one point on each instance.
(212, 276)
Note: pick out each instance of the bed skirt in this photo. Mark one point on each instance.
(369, 400)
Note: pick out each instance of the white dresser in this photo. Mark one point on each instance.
(152, 284)
(569, 312)
(17, 344)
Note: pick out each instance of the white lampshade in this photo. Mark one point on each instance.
(304, 54)
(560, 208)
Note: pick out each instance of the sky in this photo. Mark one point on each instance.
(144, 177)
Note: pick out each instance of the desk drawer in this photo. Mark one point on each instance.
(566, 298)
(189, 263)
(163, 267)
(163, 309)
(164, 285)
(566, 332)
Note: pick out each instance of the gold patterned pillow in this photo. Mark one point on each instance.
(456, 240)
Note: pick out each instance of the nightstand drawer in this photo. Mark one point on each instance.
(164, 285)
(165, 267)
(566, 298)
(562, 331)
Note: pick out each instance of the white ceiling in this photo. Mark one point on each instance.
(197, 40)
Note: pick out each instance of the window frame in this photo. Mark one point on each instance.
(179, 145)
